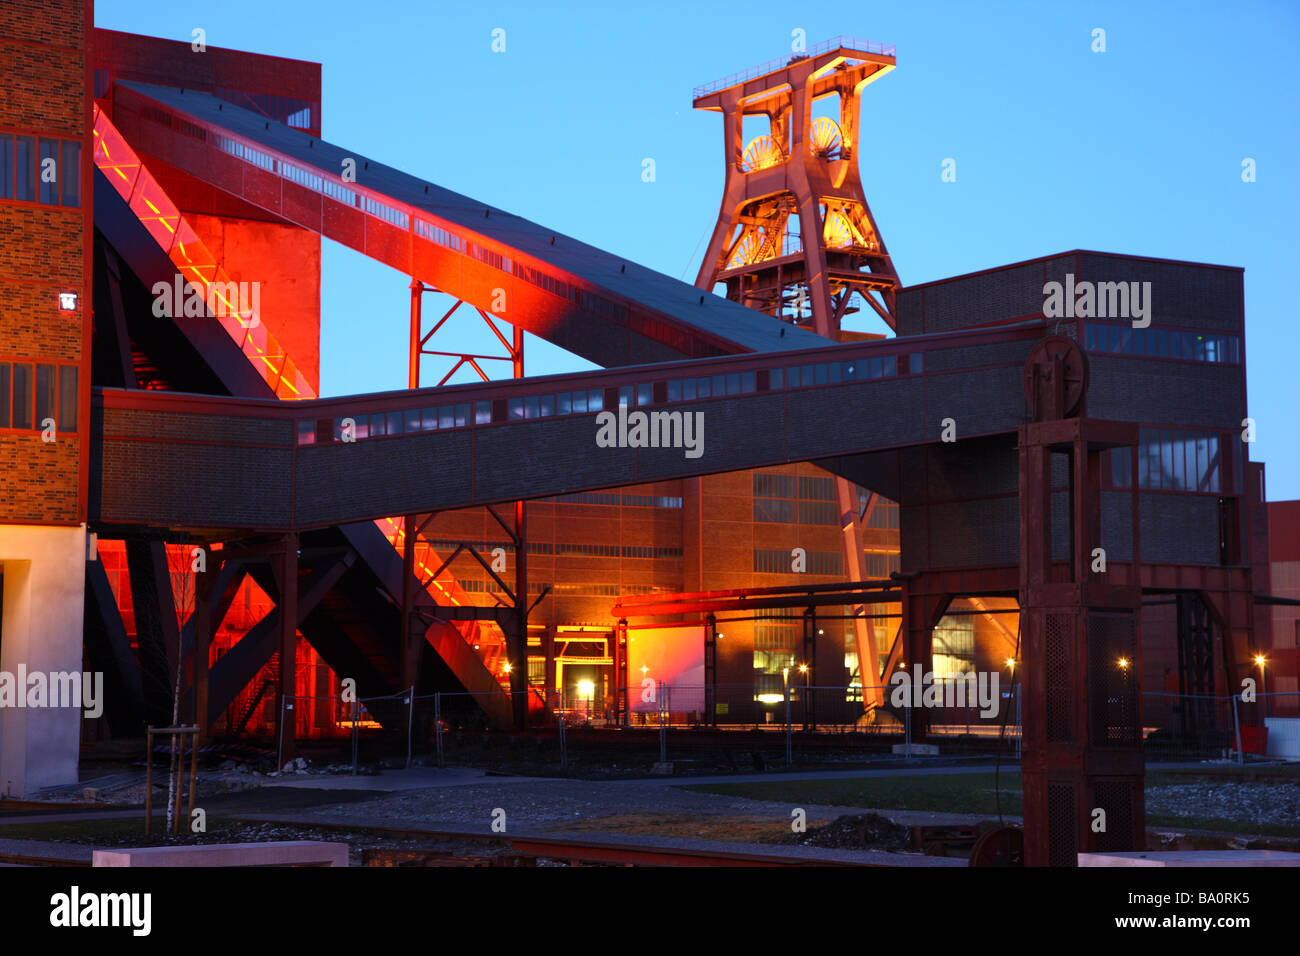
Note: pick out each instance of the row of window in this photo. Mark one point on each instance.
(580, 589)
(563, 550)
(780, 561)
(31, 393)
(1171, 460)
(884, 515)
(774, 637)
(605, 498)
(40, 169)
(810, 488)
(1162, 343)
(881, 564)
(857, 370)
(283, 109)
(585, 401)
(788, 511)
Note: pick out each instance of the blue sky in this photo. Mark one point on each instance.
(1135, 150)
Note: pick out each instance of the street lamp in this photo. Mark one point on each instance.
(1260, 661)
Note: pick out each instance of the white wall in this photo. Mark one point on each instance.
(44, 604)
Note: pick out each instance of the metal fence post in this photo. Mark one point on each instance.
(279, 743)
(907, 731)
(1236, 727)
(663, 729)
(789, 737)
(356, 742)
(410, 725)
(437, 723)
(564, 742)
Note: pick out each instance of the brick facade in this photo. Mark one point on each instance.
(45, 250)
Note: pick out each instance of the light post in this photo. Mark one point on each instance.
(785, 677)
(1260, 661)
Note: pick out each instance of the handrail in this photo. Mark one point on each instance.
(834, 43)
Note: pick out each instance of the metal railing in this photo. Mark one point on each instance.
(776, 63)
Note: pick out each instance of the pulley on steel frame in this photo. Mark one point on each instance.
(1004, 846)
(825, 138)
(1056, 378)
(761, 153)
(750, 249)
(838, 232)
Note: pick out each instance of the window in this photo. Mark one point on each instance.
(5, 387)
(6, 166)
(1170, 460)
(22, 401)
(25, 160)
(49, 172)
(953, 646)
(46, 385)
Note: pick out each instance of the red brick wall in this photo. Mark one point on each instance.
(45, 250)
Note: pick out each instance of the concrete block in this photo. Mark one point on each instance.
(285, 853)
(1192, 858)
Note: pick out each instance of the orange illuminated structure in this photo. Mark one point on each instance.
(795, 237)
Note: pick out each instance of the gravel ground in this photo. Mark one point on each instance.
(568, 804)
(1259, 803)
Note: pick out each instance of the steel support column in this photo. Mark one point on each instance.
(288, 582)
(711, 670)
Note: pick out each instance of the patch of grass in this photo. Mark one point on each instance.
(974, 794)
(937, 793)
(114, 831)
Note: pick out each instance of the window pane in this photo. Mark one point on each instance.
(595, 400)
(446, 416)
(49, 172)
(306, 431)
(412, 420)
(428, 419)
(675, 390)
(462, 414)
(719, 386)
(378, 422)
(516, 409)
(579, 401)
(394, 423)
(46, 383)
(776, 379)
(482, 413)
(733, 383)
(22, 400)
(563, 404)
(4, 394)
(702, 387)
(532, 407)
(548, 405)
(26, 173)
(823, 376)
(688, 389)
(749, 382)
(644, 393)
(6, 168)
(624, 396)
(874, 368)
(891, 366)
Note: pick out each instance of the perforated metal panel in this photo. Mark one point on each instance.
(1112, 679)
(1059, 697)
(1062, 849)
(1116, 798)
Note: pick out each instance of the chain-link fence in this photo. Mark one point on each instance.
(662, 722)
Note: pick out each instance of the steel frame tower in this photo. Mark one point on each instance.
(804, 171)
